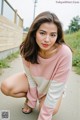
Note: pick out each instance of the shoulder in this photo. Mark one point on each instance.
(65, 54)
(65, 57)
(25, 62)
(65, 51)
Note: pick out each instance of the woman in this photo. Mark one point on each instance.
(47, 62)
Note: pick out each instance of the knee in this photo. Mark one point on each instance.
(6, 88)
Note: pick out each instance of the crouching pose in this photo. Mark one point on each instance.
(47, 61)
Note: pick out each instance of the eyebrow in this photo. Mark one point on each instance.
(45, 31)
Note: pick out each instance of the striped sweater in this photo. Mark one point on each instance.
(48, 78)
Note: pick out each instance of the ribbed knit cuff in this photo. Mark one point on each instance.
(45, 113)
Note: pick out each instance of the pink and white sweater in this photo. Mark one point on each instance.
(48, 78)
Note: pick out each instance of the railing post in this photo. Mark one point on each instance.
(15, 17)
(2, 7)
(20, 22)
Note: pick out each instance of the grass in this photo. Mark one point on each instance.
(73, 40)
(4, 63)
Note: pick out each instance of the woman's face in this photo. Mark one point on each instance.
(46, 36)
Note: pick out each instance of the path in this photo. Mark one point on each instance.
(70, 106)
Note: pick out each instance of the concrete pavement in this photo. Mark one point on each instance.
(70, 106)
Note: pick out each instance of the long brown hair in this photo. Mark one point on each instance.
(29, 48)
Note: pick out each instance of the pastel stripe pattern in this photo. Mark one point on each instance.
(48, 78)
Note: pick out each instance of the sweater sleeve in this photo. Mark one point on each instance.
(32, 91)
(56, 88)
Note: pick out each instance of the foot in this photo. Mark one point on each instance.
(26, 109)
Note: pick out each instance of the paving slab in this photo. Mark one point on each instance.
(70, 106)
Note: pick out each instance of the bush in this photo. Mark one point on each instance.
(73, 40)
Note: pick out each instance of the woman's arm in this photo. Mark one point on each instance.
(32, 91)
(56, 88)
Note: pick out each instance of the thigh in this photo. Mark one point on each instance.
(17, 82)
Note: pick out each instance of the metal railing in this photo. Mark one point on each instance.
(9, 12)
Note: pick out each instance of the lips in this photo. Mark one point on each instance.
(45, 45)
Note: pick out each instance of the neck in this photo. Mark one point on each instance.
(49, 53)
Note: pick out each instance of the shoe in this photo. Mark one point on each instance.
(28, 109)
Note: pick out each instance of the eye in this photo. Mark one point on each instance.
(42, 33)
(53, 35)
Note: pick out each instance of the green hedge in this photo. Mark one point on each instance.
(73, 40)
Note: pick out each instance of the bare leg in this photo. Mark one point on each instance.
(57, 105)
(15, 86)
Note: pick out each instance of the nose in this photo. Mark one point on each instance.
(47, 38)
